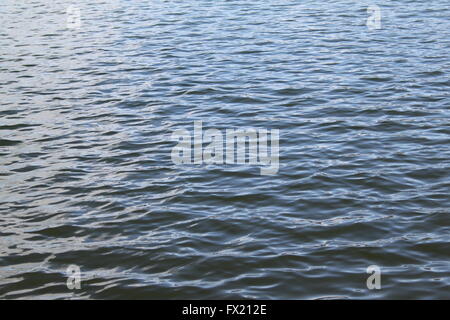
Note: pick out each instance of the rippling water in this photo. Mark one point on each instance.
(87, 179)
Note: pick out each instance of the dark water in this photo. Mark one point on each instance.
(86, 174)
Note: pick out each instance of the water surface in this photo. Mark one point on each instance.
(86, 178)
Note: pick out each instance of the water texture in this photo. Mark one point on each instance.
(86, 176)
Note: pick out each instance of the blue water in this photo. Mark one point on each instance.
(86, 176)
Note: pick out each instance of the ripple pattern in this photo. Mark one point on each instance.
(86, 178)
